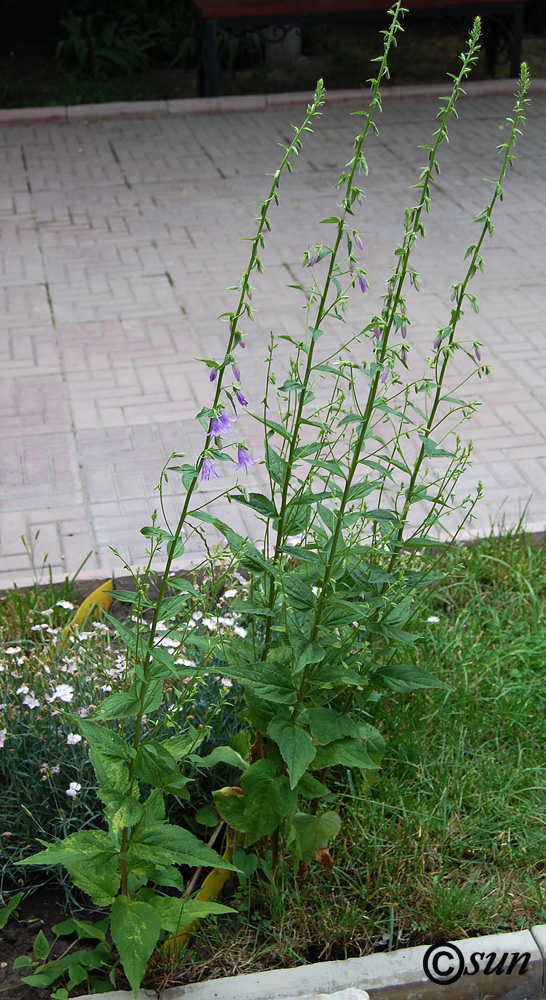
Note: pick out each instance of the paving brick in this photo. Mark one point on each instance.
(96, 393)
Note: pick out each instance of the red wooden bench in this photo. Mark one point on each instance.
(240, 15)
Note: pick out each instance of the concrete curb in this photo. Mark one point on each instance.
(245, 103)
(391, 976)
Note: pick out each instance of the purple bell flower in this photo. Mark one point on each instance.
(207, 469)
(244, 461)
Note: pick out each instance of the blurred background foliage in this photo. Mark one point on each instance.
(79, 51)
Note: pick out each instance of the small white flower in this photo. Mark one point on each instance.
(168, 642)
(230, 593)
(30, 700)
(102, 627)
(72, 739)
(241, 632)
(82, 712)
(56, 769)
(13, 650)
(106, 687)
(23, 689)
(48, 611)
(433, 619)
(65, 604)
(38, 628)
(64, 692)
(3, 734)
(225, 682)
(185, 663)
(73, 789)
(197, 615)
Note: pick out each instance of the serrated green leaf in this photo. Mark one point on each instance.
(117, 706)
(175, 914)
(327, 725)
(40, 947)
(349, 752)
(407, 677)
(313, 833)
(154, 764)
(296, 747)
(135, 929)
(268, 799)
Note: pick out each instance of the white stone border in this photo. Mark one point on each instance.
(247, 102)
(397, 975)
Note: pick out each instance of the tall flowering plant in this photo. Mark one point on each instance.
(362, 459)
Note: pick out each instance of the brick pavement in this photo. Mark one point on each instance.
(120, 236)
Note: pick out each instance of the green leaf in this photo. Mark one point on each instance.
(136, 642)
(349, 752)
(102, 739)
(298, 592)
(260, 503)
(407, 677)
(383, 517)
(327, 725)
(310, 788)
(65, 927)
(135, 929)
(40, 947)
(154, 764)
(433, 449)
(9, 908)
(224, 755)
(22, 962)
(176, 845)
(230, 804)
(87, 929)
(127, 815)
(273, 426)
(276, 465)
(175, 914)
(296, 746)
(86, 845)
(270, 681)
(117, 706)
(327, 516)
(268, 799)
(360, 490)
(314, 832)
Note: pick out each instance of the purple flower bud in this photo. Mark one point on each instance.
(362, 282)
(236, 372)
(244, 461)
(403, 355)
(377, 332)
(416, 284)
(437, 343)
(242, 344)
(359, 242)
(241, 399)
(313, 258)
(404, 331)
(213, 375)
(384, 376)
(478, 354)
(207, 469)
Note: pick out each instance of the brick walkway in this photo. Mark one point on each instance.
(119, 238)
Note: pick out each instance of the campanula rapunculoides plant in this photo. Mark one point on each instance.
(363, 458)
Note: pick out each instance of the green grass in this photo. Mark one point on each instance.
(449, 840)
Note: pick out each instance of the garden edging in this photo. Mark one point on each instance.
(385, 976)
